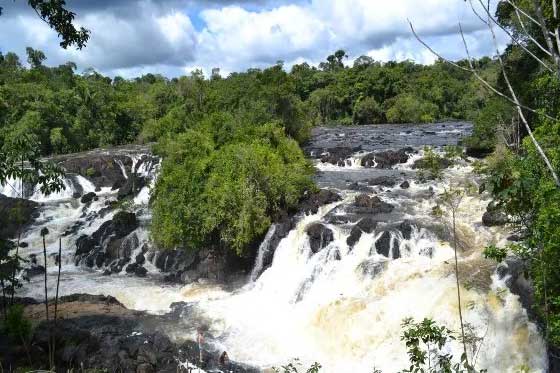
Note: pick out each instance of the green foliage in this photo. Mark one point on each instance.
(496, 112)
(294, 368)
(17, 326)
(408, 108)
(367, 111)
(222, 184)
(430, 165)
(425, 341)
(498, 254)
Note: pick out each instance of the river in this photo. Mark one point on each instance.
(341, 304)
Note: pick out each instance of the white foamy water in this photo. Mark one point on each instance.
(342, 307)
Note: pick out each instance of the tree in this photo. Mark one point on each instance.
(367, 111)
(60, 19)
(35, 57)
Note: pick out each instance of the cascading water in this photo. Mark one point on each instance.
(341, 305)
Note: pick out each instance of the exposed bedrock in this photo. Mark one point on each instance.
(16, 214)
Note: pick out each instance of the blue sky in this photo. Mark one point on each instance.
(173, 37)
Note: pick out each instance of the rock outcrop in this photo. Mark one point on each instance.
(16, 213)
(387, 159)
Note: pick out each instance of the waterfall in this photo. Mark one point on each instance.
(264, 249)
(343, 305)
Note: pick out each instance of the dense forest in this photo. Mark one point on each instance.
(230, 145)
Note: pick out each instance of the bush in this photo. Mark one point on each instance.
(367, 111)
(406, 108)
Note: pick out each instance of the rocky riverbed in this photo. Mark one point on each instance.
(330, 281)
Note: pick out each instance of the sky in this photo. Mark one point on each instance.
(173, 37)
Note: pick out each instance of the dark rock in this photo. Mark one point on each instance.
(124, 223)
(338, 155)
(386, 159)
(88, 197)
(319, 236)
(387, 181)
(131, 268)
(34, 270)
(312, 201)
(372, 205)
(103, 170)
(25, 209)
(23, 244)
(405, 185)
(494, 216)
(141, 271)
(140, 259)
(359, 187)
(354, 236)
(132, 185)
(84, 245)
(383, 244)
(366, 224)
(406, 229)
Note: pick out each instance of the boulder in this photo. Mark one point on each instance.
(88, 197)
(371, 268)
(141, 271)
(26, 211)
(319, 236)
(383, 246)
(111, 241)
(140, 259)
(405, 185)
(386, 159)
(338, 155)
(366, 224)
(405, 228)
(386, 181)
(103, 170)
(494, 216)
(311, 202)
(372, 205)
(132, 185)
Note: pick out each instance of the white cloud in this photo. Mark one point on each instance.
(139, 36)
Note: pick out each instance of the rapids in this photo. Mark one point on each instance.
(342, 307)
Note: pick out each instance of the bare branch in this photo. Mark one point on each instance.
(520, 111)
(547, 37)
(515, 40)
(473, 71)
(518, 9)
(528, 35)
(557, 29)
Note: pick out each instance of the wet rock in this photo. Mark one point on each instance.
(132, 185)
(312, 201)
(131, 268)
(34, 270)
(406, 229)
(386, 159)
(383, 244)
(103, 170)
(405, 185)
(338, 155)
(372, 205)
(319, 236)
(140, 271)
(88, 197)
(366, 225)
(26, 210)
(386, 181)
(359, 187)
(494, 216)
(140, 259)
